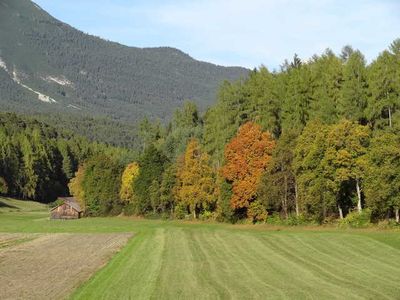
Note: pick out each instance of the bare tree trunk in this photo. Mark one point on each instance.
(296, 199)
(194, 213)
(390, 117)
(285, 208)
(396, 211)
(340, 211)
(359, 208)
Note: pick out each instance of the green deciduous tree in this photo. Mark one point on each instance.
(277, 189)
(345, 160)
(382, 180)
(101, 184)
(313, 195)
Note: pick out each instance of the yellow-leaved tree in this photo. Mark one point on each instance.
(128, 177)
(76, 186)
(195, 186)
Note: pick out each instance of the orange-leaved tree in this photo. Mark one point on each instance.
(246, 157)
(195, 186)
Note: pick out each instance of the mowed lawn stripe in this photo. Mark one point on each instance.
(355, 259)
(181, 262)
(178, 276)
(235, 278)
(295, 280)
(258, 276)
(368, 247)
(208, 273)
(224, 269)
(356, 281)
(325, 269)
(132, 273)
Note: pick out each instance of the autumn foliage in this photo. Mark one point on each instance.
(128, 176)
(246, 156)
(195, 186)
(76, 186)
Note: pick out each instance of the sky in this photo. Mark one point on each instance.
(245, 33)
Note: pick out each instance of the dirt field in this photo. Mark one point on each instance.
(51, 266)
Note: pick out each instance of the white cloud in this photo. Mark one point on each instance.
(267, 32)
(238, 32)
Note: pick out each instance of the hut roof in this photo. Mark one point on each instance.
(71, 201)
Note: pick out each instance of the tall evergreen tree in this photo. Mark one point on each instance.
(151, 166)
(354, 91)
(385, 93)
(298, 97)
(327, 73)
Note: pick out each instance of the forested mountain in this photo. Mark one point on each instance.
(47, 66)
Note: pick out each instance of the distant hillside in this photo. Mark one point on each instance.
(47, 66)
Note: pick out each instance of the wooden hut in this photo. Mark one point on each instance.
(69, 209)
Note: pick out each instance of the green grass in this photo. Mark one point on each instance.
(13, 205)
(176, 260)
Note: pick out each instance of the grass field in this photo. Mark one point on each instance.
(176, 260)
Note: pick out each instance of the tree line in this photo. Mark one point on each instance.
(37, 161)
(317, 140)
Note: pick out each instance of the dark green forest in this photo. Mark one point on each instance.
(37, 161)
(317, 141)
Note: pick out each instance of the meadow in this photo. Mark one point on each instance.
(181, 260)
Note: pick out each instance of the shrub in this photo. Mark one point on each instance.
(257, 212)
(3, 186)
(208, 215)
(292, 220)
(180, 211)
(387, 224)
(129, 209)
(357, 220)
(152, 215)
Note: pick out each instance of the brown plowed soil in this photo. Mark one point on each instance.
(51, 266)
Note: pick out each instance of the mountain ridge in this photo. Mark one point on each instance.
(71, 72)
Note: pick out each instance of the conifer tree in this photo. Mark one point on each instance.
(385, 93)
(354, 91)
(151, 166)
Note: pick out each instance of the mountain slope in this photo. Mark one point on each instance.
(47, 66)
